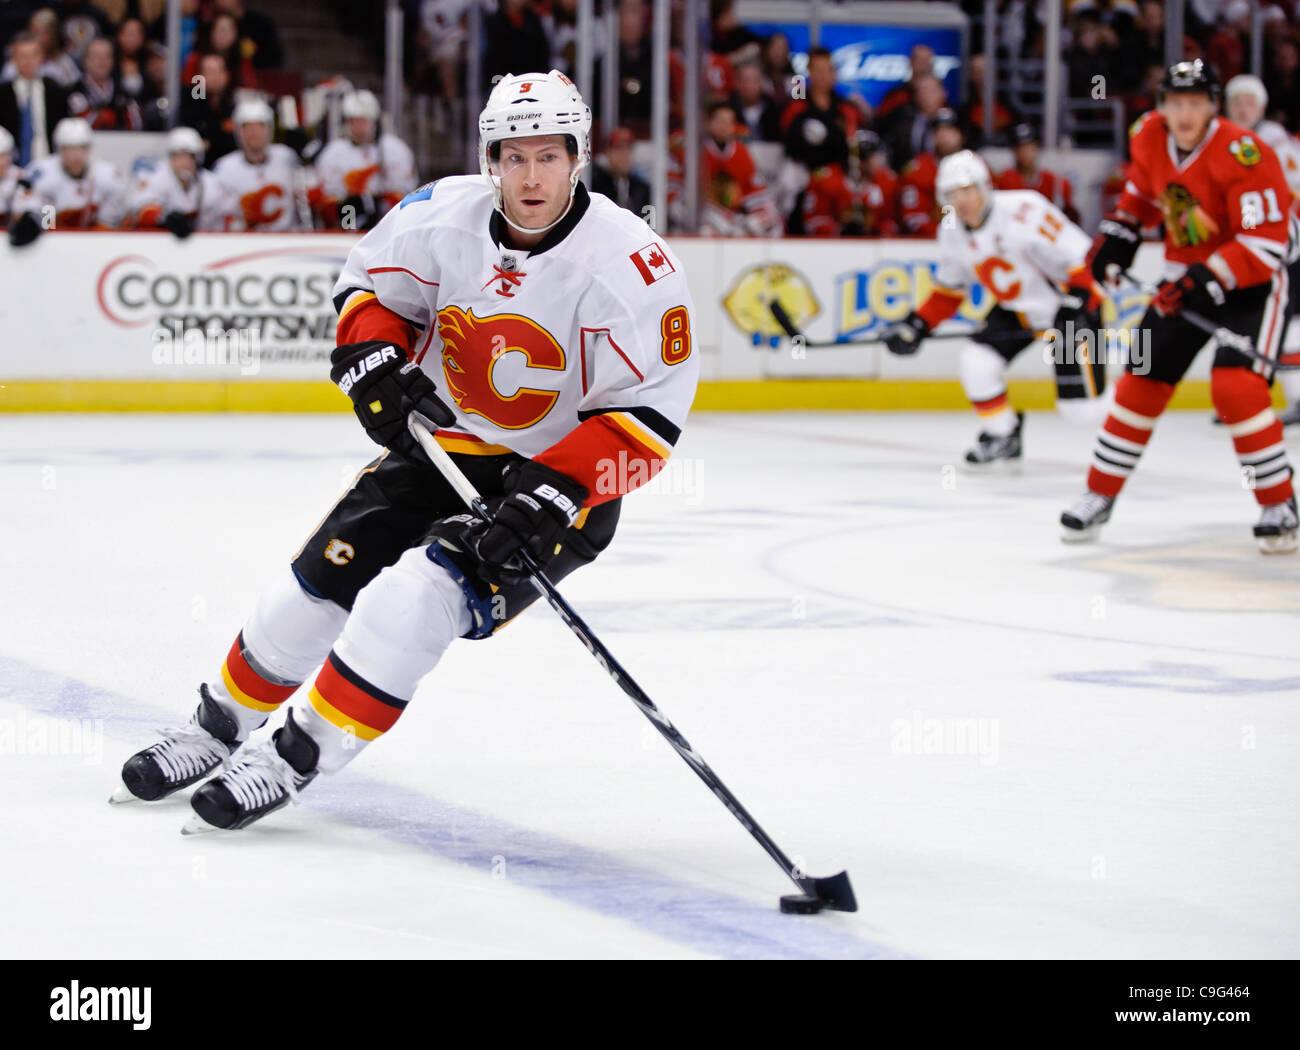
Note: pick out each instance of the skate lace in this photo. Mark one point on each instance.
(1089, 504)
(188, 750)
(261, 776)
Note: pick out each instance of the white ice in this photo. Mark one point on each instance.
(1016, 748)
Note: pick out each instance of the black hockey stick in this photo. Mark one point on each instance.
(1225, 336)
(834, 891)
(791, 329)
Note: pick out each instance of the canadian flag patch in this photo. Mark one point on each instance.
(653, 263)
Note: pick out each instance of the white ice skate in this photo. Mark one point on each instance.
(1085, 517)
(996, 451)
(1276, 530)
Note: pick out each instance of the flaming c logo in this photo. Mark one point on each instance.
(254, 206)
(471, 348)
(355, 182)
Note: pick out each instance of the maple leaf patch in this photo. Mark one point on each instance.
(652, 263)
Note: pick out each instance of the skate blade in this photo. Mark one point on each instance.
(1087, 535)
(1284, 544)
(993, 466)
(122, 796)
(196, 825)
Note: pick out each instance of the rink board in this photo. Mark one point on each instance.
(245, 322)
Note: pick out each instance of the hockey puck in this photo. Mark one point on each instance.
(801, 904)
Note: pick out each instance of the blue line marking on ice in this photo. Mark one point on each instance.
(704, 920)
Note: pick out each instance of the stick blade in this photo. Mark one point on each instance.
(835, 891)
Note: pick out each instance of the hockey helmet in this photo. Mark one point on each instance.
(1023, 134)
(534, 104)
(72, 131)
(1190, 78)
(1246, 84)
(360, 104)
(185, 140)
(252, 111)
(963, 168)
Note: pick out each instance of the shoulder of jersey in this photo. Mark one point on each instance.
(456, 201)
(107, 169)
(616, 238)
(283, 151)
(1015, 199)
(1150, 125)
(1236, 150)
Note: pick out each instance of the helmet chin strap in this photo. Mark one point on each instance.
(501, 205)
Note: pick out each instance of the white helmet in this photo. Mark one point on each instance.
(360, 104)
(253, 111)
(1245, 84)
(185, 140)
(964, 168)
(6, 141)
(534, 104)
(72, 131)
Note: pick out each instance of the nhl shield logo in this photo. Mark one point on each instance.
(652, 263)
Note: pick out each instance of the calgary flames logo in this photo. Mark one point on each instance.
(1185, 219)
(254, 206)
(355, 182)
(472, 347)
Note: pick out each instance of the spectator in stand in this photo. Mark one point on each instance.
(155, 88)
(1144, 46)
(615, 177)
(561, 25)
(1091, 64)
(816, 129)
(99, 97)
(728, 38)
(258, 32)
(30, 104)
(876, 203)
(211, 114)
(913, 123)
(778, 71)
(758, 115)
(1147, 95)
(80, 23)
(221, 37)
(189, 28)
(919, 214)
(516, 42)
(129, 68)
(1283, 83)
(634, 67)
(1227, 49)
(736, 198)
(1027, 175)
(920, 64)
(56, 63)
(972, 114)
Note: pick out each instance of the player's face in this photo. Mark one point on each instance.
(1026, 155)
(722, 126)
(1188, 117)
(75, 159)
(1245, 110)
(967, 202)
(947, 139)
(255, 136)
(534, 175)
(361, 130)
(184, 165)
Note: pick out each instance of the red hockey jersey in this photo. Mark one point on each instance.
(1056, 188)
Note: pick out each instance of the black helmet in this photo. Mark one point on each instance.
(1024, 133)
(1188, 78)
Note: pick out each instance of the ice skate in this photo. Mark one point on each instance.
(1276, 529)
(1085, 517)
(184, 756)
(996, 451)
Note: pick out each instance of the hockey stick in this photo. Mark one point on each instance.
(791, 329)
(1225, 336)
(834, 891)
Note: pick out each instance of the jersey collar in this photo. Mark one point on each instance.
(1186, 161)
(581, 201)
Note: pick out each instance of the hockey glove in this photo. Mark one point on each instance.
(1198, 290)
(538, 505)
(905, 337)
(24, 229)
(359, 212)
(179, 223)
(1116, 246)
(385, 388)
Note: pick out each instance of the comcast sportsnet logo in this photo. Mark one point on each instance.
(652, 263)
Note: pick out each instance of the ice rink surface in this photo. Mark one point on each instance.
(1015, 747)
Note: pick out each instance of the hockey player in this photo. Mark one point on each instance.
(918, 210)
(68, 190)
(180, 196)
(1030, 258)
(1027, 175)
(1246, 100)
(547, 333)
(737, 200)
(262, 177)
(9, 172)
(1223, 198)
(365, 174)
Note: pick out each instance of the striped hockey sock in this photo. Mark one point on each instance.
(1124, 435)
(251, 692)
(1242, 399)
(346, 712)
(996, 415)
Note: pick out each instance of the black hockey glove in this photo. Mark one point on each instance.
(24, 229)
(178, 223)
(1116, 245)
(905, 337)
(385, 388)
(538, 505)
(1197, 290)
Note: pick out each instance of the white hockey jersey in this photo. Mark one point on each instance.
(578, 354)
(159, 192)
(8, 186)
(1287, 149)
(382, 168)
(1022, 255)
(266, 196)
(97, 198)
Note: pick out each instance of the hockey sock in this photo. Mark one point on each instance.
(984, 379)
(996, 415)
(1124, 435)
(1242, 399)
